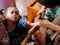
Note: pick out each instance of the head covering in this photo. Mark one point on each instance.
(49, 3)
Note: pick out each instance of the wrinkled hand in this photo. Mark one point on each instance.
(44, 23)
(37, 23)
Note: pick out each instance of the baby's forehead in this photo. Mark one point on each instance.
(12, 9)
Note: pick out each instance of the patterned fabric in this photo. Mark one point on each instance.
(52, 13)
(57, 40)
(4, 39)
(17, 35)
(22, 22)
(53, 34)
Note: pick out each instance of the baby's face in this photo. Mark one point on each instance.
(12, 14)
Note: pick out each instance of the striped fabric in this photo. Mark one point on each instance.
(53, 34)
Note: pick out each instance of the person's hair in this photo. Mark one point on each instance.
(49, 3)
(2, 11)
(12, 7)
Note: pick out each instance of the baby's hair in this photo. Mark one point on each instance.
(12, 7)
(2, 11)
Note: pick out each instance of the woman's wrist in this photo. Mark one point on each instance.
(50, 25)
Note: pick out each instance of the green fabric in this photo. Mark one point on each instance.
(53, 14)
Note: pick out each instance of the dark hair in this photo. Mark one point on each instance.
(49, 3)
(1, 11)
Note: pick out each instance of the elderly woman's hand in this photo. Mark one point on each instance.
(45, 23)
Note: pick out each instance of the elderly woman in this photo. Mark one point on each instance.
(54, 25)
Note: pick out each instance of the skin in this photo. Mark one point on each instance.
(12, 16)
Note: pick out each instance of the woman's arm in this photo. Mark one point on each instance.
(30, 32)
(30, 25)
(47, 24)
(54, 27)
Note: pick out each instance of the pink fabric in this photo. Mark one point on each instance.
(5, 3)
(4, 39)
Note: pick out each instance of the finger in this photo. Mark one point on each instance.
(27, 43)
